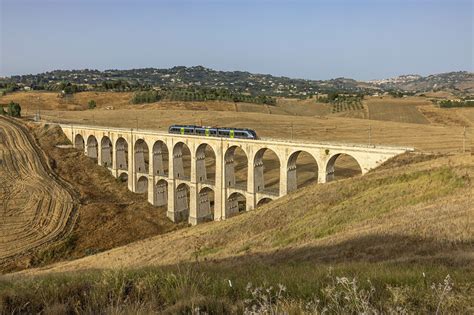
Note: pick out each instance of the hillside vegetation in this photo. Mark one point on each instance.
(404, 226)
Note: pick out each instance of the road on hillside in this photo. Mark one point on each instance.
(36, 206)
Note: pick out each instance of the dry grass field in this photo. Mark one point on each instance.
(407, 218)
(369, 227)
(424, 137)
(398, 110)
(108, 214)
(36, 207)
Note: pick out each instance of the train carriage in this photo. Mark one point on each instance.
(224, 132)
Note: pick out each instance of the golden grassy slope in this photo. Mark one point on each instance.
(414, 209)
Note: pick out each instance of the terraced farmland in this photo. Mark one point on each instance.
(37, 207)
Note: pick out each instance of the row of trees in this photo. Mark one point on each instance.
(200, 94)
(336, 98)
(450, 103)
(13, 110)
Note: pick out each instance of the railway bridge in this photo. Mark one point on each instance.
(154, 162)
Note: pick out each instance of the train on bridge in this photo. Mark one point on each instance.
(224, 132)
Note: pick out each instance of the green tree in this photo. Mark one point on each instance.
(92, 104)
(2, 111)
(14, 109)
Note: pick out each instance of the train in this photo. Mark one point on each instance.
(223, 132)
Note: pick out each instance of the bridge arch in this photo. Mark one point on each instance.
(205, 206)
(123, 177)
(79, 142)
(141, 157)
(142, 185)
(266, 165)
(342, 165)
(92, 151)
(302, 170)
(182, 161)
(236, 203)
(160, 158)
(161, 193)
(182, 198)
(106, 151)
(205, 164)
(236, 168)
(121, 150)
(263, 201)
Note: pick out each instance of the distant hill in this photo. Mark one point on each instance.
(461, 81)
(242, 81)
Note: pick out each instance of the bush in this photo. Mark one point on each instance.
(14, 109)
(92, 104)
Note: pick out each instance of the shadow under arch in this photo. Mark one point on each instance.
(205, 164)
(342, 165)
(302, 170)
(181, 203)
(161, 193)
(263, 201)
(160, 158)
(266, 165)
(79, 142)
(141, 156)
(106, 151)
(205, 206)
(235, 204)
(92, 145)
(142, 185)
(235, 168)
(182, 161)
(121, 151)
(123, 177)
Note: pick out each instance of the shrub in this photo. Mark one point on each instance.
(92, 104)
(14, 109)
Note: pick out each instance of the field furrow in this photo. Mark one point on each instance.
(37, 207)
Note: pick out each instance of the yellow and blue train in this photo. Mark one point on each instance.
(240, 133)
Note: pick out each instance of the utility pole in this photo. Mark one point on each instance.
(464, 140)
(370, 135)
(291, 131)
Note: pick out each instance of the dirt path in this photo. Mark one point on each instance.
(37, 207)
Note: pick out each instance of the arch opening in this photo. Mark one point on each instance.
(182, 198)
(123, 177)
(160, 158)
(236, 168)
(342, 166)
(106, 151)
(161, 193)
(181, 161)
(302, 170)
(236, 203)
(205, 208)
(205, 164)
(263, 201)
(141, 157)
(267, 172)
(121, 148)
(92, 151)
(142, 185)
(79, 142)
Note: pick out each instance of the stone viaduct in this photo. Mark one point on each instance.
(153, 162)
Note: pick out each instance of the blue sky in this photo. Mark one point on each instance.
(304, 39)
